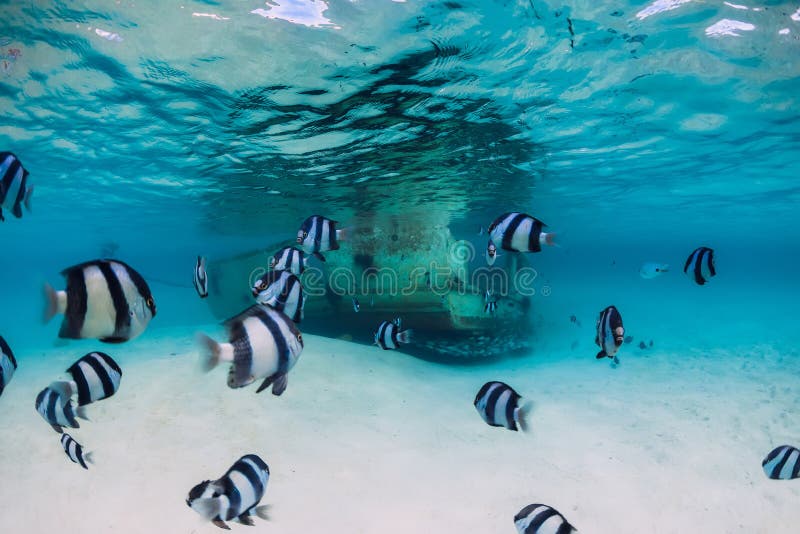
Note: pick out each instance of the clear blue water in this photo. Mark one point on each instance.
(638, 130)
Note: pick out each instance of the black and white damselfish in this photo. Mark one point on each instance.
(499, 405)
(75, 451)
(783, 463)
(57, 411)
(491, 252)
(95, 376)
(14, 189)
(542, 519)
(610, 333)
(388, 336)
(288, 259)
(490, 305)
(105, 300)
(518, 232)
(282, 291)
(318, 234)
(201, 277)
(262, 343)
(700, 266)
(8, 364)
(235, 495)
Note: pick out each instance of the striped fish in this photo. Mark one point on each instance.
(8, 364)
(235, 495)
(200, 277)
(699, 265)
(105, 299)
(783, 463)
(57, 411)
(262, 343)
(499, 405)
(491, 252)
(541, 519)
(288, 259)
(319, 234)
(490, 306)
(282, 291)
(75, 451)
(95, 376)
(388, 336)
(14, 189)
(519, 232)
(651, 269)
(610, 333)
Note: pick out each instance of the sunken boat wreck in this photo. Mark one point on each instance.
(398, 267)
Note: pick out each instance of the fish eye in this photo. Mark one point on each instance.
(150, 302)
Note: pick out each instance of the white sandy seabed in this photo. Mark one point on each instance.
(367, 441)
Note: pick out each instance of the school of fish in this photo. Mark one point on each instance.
(107, 300)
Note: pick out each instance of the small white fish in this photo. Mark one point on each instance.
(108, 36)
(651, 269)
(491, 252)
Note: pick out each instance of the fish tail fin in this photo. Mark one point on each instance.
(405, 336)
(27, 200)
(64, 389)
(521, 415)
(600, 355)
(343, 234)
(212, 354)
(262, 511)
(80, 411)
(88, 457)
(51, 303)
(548, 238)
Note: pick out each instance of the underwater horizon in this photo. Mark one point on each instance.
(156, 133)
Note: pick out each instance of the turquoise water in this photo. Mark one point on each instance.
(637, 130)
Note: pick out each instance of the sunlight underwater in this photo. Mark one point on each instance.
(392, 266)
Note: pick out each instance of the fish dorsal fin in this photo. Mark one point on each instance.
(249, 312)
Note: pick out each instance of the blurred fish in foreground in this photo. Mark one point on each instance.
(104, 299)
